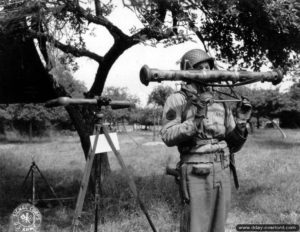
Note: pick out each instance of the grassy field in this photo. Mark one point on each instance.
(268, 168)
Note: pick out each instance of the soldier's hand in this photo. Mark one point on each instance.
(243, 112)
(201, 102)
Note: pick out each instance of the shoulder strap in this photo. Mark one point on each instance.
(226, 114)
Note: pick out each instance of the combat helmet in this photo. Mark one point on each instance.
(193, 57)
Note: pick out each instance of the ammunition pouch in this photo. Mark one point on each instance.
(201, 169)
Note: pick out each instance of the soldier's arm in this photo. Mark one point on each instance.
(236, 134)
(174, 131)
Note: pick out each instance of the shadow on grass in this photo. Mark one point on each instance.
(117, 200)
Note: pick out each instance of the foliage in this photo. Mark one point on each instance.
(252, 24)
(41, 118)
(146, 116)
(119, 93)
(159, 95)
(271, 103)
(64, 77)
(290, 110)
(19, 115)
(4, 118)
(239, 31)
(4, 115)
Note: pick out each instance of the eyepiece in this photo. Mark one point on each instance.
(278, 78)
(145, 75)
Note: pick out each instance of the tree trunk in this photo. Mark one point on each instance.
(257, 122)
(154, 129)
(30, 131)
(2, 130)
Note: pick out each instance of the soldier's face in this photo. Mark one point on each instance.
(204, 67)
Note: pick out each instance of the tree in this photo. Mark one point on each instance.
(119, 93)
(289, 112)
(4, 118)
(159, 95)
(64, 77)
(271, 103)
(144, 116)
(217, 24)
(35, 118)
(237, 30)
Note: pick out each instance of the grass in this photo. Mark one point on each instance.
(268, 168)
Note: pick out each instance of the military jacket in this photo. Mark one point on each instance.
(179, 127)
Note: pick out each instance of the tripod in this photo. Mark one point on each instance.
(101, 128)
(32, 173)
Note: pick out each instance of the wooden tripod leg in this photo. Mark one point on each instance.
(84, 184)
(129, 178)
(98, 191)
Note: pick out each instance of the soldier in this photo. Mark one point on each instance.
(206, 133)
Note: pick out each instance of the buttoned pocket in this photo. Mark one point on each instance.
(201, 169)
(200, 177)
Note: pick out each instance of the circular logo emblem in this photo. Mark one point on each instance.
(26, 218)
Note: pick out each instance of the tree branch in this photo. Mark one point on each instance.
(198, 34)
(99, 20)
(148, 33)
(98, 7)
(66, 48)
(108, 60)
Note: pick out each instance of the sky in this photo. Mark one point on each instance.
(125, 71)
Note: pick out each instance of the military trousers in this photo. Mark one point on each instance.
(207, 196)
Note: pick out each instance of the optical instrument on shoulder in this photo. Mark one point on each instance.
(210, 78)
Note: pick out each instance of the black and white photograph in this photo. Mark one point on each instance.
(149, 115)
